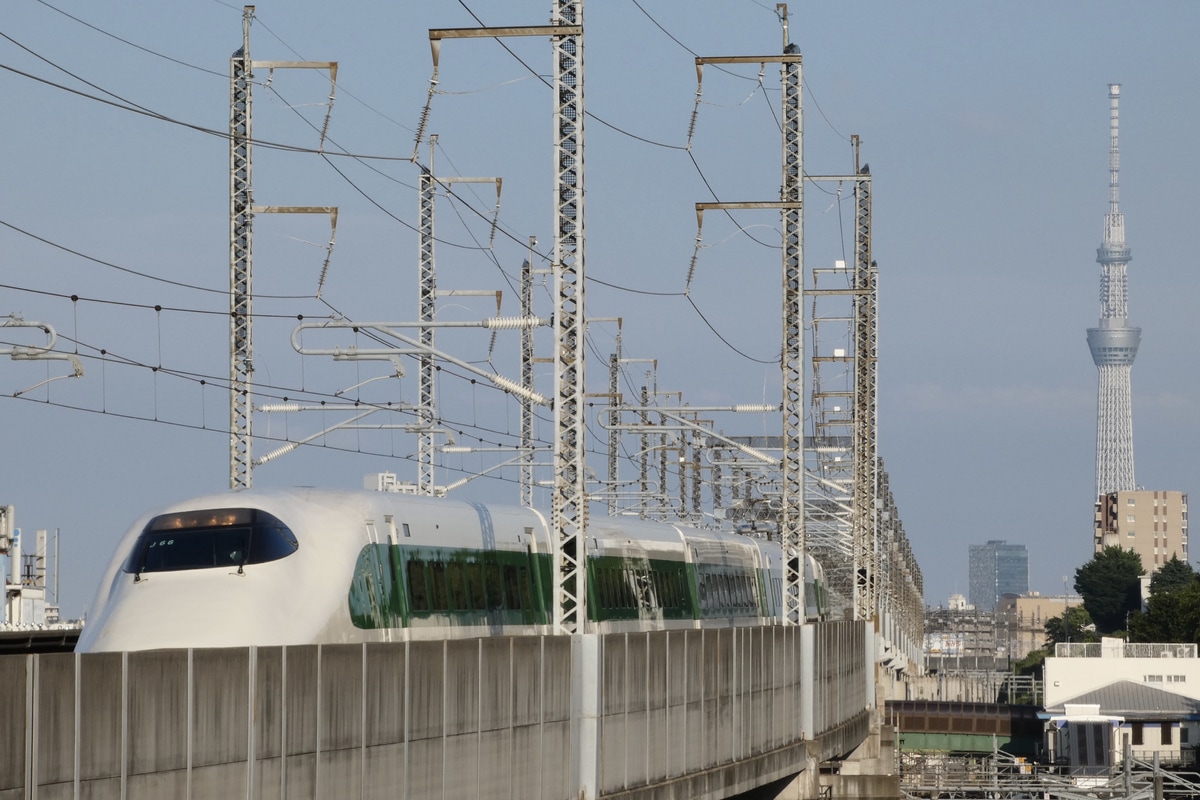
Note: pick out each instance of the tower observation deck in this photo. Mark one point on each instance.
(1114, 344)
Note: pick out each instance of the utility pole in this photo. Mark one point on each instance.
(866, 359)
(241, 238)
(427, 294)
(790, 205)
(568, 511)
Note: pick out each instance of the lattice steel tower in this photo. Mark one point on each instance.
(1113, 343)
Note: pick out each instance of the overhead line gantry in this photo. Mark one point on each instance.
(569, 498)
(241, 238)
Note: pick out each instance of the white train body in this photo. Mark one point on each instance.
(304, 566)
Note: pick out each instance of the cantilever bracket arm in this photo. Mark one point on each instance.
(44, 352)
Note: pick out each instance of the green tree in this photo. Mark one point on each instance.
(1170, 616)
(1175, 574)
(1077, 627)
(1110, 587)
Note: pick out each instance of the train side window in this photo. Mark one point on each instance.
(475, 585)
(495, 593)
(666, 593)
(458, 586)
(523, 578)
(437, 576)
(512, 588)
(418, 589)
(602, 593)
(663, 586)
(646, 591)
(601, 589)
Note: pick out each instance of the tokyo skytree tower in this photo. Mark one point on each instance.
(1113, 343)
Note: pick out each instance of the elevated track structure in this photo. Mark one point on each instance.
(697, 714)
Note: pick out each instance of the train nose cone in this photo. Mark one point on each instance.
(207, 608)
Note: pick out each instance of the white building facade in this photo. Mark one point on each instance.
(1154, 688)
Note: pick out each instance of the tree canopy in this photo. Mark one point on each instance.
(1173, 611)
(1172, 616)
(1110, 587)
(1174, 574)
(1076, 627)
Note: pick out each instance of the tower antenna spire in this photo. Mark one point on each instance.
(1114, 344)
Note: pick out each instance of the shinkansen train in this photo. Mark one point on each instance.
(306, 566)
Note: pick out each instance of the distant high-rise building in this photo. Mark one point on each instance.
(996, 569)
(1113, 343)
(1152, 524)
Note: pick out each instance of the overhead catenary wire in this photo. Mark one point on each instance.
(134, 108)
(327, 156)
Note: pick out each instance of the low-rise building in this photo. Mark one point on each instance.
(1021, 620)
(1153, 688)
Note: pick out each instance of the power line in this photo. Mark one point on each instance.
(132, 44)
(128, 105)
(134, 272)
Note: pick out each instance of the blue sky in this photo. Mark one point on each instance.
(985, 126)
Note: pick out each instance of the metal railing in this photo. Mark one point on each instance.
(1124, 650)
(1000, 775)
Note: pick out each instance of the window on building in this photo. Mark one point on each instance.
(1165, 736)
(1129, 501)
(1137, 733)
(1130, 518)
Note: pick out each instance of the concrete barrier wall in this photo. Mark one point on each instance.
(681, 702)
(494, 719)
(684, 702)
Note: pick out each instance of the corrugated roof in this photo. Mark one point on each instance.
(1135, 701)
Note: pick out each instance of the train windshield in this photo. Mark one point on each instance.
(224, 537)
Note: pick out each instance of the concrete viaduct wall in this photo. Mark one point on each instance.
(697, 714)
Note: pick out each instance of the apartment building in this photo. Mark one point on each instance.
(1151, 523)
